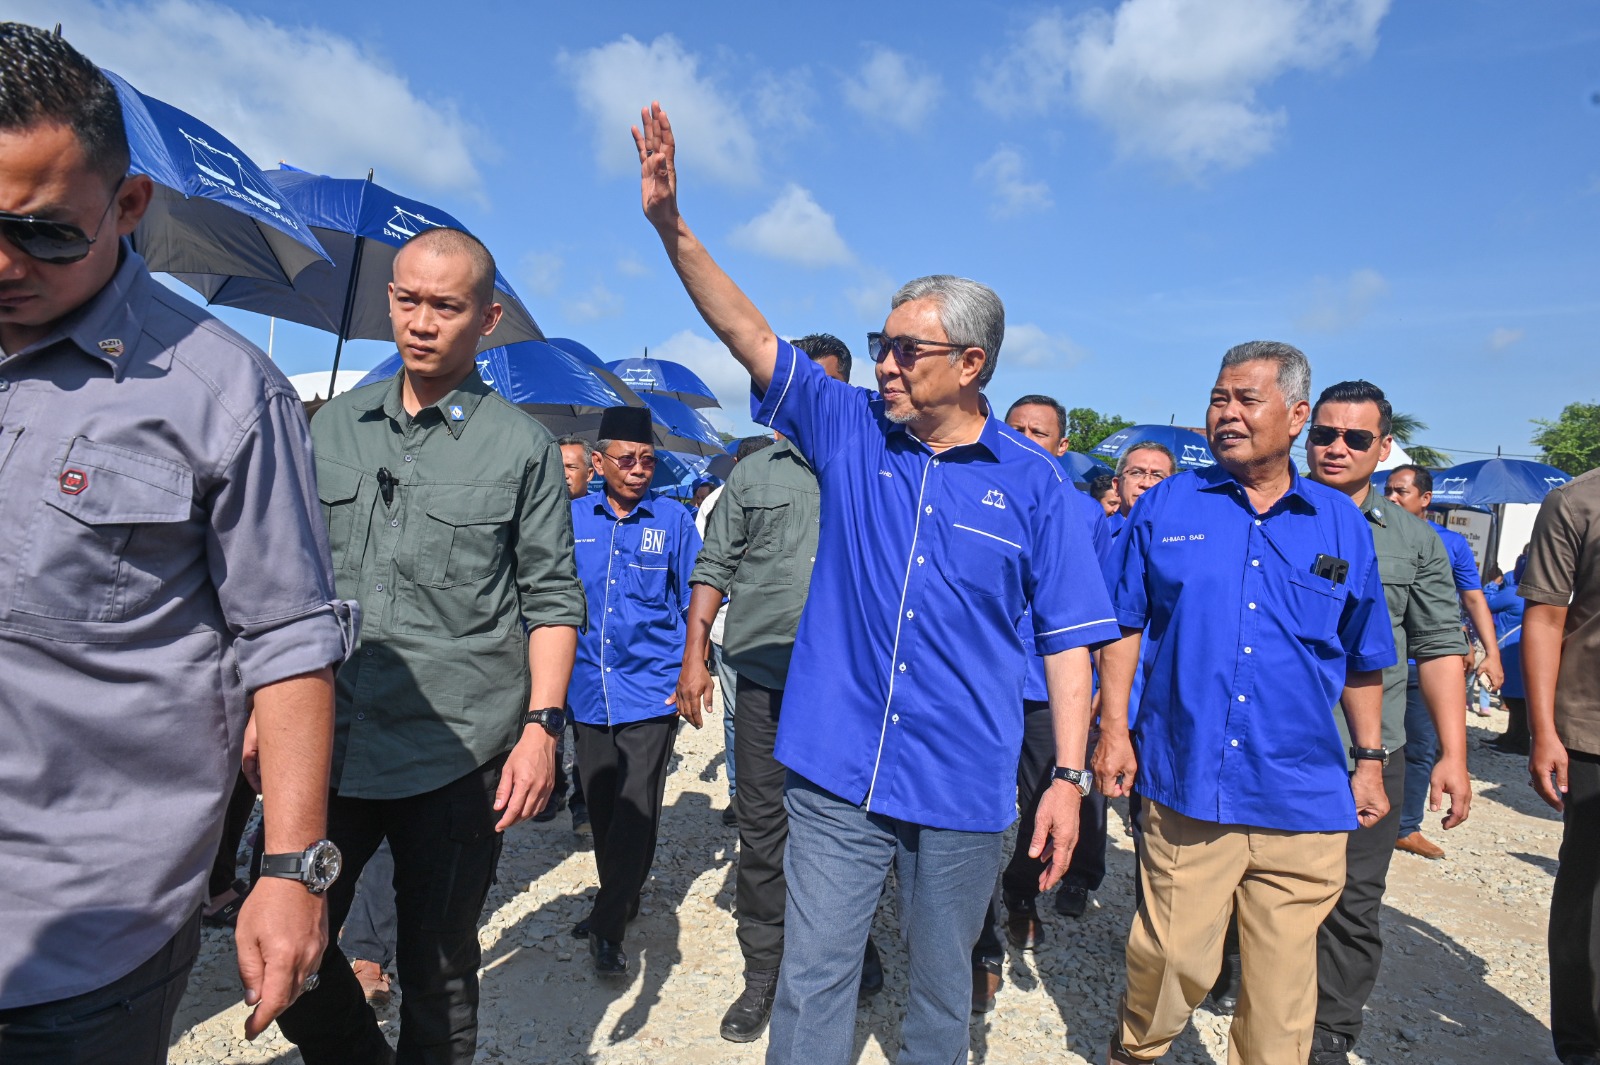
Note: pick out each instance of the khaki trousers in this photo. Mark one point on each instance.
(1197, 873)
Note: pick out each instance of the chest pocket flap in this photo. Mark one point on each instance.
(467, 531)
(100, 484)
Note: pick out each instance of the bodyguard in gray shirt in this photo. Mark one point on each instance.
(163, 564)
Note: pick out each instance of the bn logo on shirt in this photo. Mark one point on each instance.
(653, 541)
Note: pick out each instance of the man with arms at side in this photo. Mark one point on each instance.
(635, 553)
(1411, 487)
(1260, 592)
(1349, 436)
(1042, 420)
(448, 518)
(903, 708)
(164, 567)
(761, 545)
(1560, 649)
(1142, 465)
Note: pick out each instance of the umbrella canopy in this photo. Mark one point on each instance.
(1491, 481)
(665, 378)
(1186, 445)
(560, 391)
(578, 351)
(362, 225)
(1083, 469)
(214, 210)
(688, 431)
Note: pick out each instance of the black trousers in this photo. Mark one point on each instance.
(240, 804)
(763, 825)
(127, 1022)
(1020, 878)
(1575, 915)
(1350, 941)
(445, 852)
(624, 770)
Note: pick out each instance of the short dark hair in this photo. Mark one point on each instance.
(1100, 486)
(571, 440)
(824, 346)
(1358, 391)
(751, 444)
(1043, 401)
(1421, 477)
(46, 81)
(447, 240)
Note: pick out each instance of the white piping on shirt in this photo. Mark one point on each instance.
(786, 382)
(1055, 465)
(894, 654)
(1080, 625)
(605, 689)
(980, 532)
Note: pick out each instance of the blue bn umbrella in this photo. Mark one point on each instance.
(214, 211)
(690, 432)
(664, 377)
(1490, 481)
(1186, 445)
(362, 225)
(1083, 469)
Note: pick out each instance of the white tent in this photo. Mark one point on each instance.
(312, 385)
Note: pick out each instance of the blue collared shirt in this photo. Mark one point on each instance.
(1463, 565)
(1246, 650)
(905, 689)
(1094, 518)
(1116, 522)
(635, 573)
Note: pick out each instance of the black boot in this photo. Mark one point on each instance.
(747, 1018)
(1224, 996)
(610, 960)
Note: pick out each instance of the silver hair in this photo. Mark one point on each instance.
(1146, 445)
(1294, 369)
(578, 441)
(970, 313)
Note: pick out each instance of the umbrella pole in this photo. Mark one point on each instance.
(349, 310)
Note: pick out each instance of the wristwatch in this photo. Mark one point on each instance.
(317, 867)
(1370, 754)
(1082, 779)
(552, 719)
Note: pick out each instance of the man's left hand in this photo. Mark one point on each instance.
(527, 778)
(1055, 831)
(282, 930)
(1492, 672)
(1450, 778)
(1366, 785)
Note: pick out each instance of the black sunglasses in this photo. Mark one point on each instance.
(904, 349)
(1355, 439)
(57, 243)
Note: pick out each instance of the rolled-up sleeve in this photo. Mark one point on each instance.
(547, 572)
(1433, 616)
(267, 552)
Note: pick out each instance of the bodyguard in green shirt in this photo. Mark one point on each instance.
(448, 520)
(1348, 437)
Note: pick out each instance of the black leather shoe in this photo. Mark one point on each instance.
(581, 929)
(1329, 1048)
(1072, 900)
(986, 984)
(747, 1018)
(871, 972)
(730, 813)
(610, 961)
(1023, 927)
(1224, 996)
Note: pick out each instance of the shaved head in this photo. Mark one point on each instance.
(445, 241)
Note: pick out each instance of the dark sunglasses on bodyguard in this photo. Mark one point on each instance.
(1354, 439)
(57, 243)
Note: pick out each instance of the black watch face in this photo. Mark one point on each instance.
(553, 720)
(323, 865)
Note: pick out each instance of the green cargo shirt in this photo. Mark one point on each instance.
(473, 550)
(760, 548)
(1423, 610)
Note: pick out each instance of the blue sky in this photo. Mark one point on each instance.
(1411, 193)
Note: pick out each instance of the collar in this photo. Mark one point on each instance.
(988, 436)
(1217, 478)
(645, 507)
(785, 449)
(1376, 507)
(455, 408)
(109, 326)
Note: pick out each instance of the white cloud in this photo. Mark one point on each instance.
(1340, 305)
(1179, 80)
(795, 229)
(888, 90)
(1004, 173)
(870, 298)
(630, 265)
(599, 302)
(782, 101)
(304, 94)
(1503, 338)
(541, 272)
(613, 81)
(1027, 344)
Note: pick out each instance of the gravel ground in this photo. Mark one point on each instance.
(1464, 979)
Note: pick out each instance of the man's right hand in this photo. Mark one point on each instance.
(658, 174)
(1114, 764)
(282, 930)
(693, 695)
(1547, 768)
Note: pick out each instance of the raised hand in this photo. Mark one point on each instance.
(658, 176)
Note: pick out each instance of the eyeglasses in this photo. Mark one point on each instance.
(628, 462)
(58, 243)
(880, 345)
(1355, 439)
(1135, 474)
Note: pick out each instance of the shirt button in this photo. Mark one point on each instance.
(394, 523)
(616, 552)
(919, 560)
(369, 652)
(1252, 606)
(1235, 743)
(380, 587)
(902, 667)
(1241, 698)
(1248, 650)
(936, 462)
(1255, 562)
(911, 613)
(613, 582)
(1258, 522)
(609, 610)
(361, 717)
(928, 509)
(408, 458)
(895, 719)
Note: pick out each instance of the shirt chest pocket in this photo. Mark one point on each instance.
(465, 532)
(1315, 604)
(1399, 575)
(770, 541)
(645, 581)
(113, 530)
(339, 489)
(985, 563)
